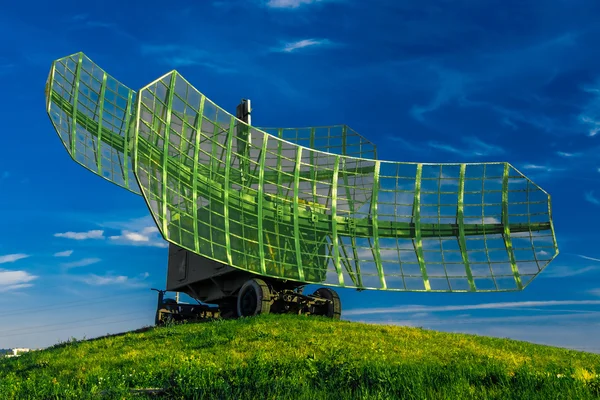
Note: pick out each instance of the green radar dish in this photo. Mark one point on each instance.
(309, 205)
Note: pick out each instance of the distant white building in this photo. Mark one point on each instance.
(17, 352)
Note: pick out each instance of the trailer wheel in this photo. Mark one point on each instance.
(254, 298)
(334, 308)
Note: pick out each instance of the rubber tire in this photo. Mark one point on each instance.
(334, 308)
(262, 297)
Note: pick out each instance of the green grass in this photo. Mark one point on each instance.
(294, 357)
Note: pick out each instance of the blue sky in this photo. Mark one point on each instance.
(429, 81)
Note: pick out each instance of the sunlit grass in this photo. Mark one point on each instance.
(301, 358)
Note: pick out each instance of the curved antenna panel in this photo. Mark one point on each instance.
(91, 112)
(233, 193)
(337, 139)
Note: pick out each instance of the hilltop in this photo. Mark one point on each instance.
(275, 357)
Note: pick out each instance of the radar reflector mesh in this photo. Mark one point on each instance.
(91, 112)
(286, 209)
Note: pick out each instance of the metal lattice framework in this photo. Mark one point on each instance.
(313, 205)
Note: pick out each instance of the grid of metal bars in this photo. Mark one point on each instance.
(309, 204)
(91, 111)
(285, 210)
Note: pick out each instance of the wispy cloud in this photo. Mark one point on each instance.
(595, 292)
(481, 148)
(94, 234)
(12, 258)
(591, 114)
(444, 147)
(451, 87)
(66, 253)
(474, 147)
(83, 21)
(544, 168)
(14, 280)
(561, 271)
(589, 196)
(568, 155)
(410, 309)
(148, 236)
(483, 79)
(290, 4)
(176, 56)
(112, 280)
(526, 319)
(81, 263)
(588, 258)
(405, 145)
(133, 232)
(302, 44)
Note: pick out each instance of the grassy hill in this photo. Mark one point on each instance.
(280, 357)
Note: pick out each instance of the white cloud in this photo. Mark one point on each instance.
(591, 116)
(595, 125)
(535, 166)
(405, 144)
(589, 196)
(135, 232)
(65, 253)
(589, 258)
(12, 258)
(410, 309)
(14, 280)
(559, 271)
(97, 280)
(475, 147)
(481, 148)
(444, 147)
(148, 236)
(176, 55)
(94, 234)
(301, 44)
(568, 155)
(110, 279)
(595, 292)
(82, 263)
(452, 86)
(542, 168)
(289, 3)
(491, 220)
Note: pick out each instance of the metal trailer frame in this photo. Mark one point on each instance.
(233, 292)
